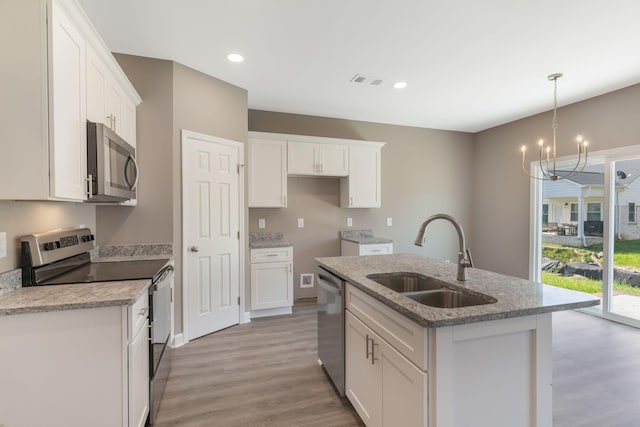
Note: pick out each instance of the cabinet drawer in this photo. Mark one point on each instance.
(378, 249)
(407, 337)
(138, 314)
(272, 254)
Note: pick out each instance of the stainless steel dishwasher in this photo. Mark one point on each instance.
(331, 326)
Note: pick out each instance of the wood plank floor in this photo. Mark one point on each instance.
(265, 373)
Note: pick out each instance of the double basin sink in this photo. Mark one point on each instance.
(429, 290)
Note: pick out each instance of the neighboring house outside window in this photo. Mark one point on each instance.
(594, 212)
(632, 213)
(574, 212)
(545, 214)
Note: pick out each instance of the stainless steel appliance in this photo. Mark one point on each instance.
(331, 326)
(62, 257)
(111, 166)
(160, 299)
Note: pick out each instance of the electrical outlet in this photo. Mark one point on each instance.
(389, 222)
(300, 222)
(349, 222)
(262, 223)
(3, 244)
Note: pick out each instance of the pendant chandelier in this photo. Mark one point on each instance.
(547, 153)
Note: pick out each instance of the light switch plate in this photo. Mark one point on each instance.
(3, 244)
(349, 222)
(261, 223)
(300, 222)
(389, 222)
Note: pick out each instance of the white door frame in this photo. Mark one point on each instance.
(606, 157)
(241, 205)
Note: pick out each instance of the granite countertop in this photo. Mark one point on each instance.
(516, 297)
(363, 237)
(36, 299)
(267, 239)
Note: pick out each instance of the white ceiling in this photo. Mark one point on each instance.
(470, 64)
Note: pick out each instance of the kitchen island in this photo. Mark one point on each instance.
(411, 364)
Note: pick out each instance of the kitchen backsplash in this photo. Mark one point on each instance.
(108, 251)
(10, 280)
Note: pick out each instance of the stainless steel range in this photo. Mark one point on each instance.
(62, 257)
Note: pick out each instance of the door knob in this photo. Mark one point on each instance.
(194, 249)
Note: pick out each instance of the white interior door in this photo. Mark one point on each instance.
(211, 242)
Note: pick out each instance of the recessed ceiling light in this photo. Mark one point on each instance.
(400, 85)
(235, 57)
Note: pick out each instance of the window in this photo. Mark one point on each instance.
(594, 212)
(632, 213)
(545, 214)
(574, 212)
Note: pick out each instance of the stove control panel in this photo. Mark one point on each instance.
(44, 248)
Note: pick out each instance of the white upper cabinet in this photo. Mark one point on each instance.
(107, 101)
(52, 67)
(272, 157)
(267, 171)
(68, 130)
(319, 159)
(361, 189)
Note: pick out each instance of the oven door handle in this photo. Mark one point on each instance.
(164, 274)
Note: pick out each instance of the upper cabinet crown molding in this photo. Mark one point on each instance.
(93, 40)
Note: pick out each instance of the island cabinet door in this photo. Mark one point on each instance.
(386, 389)
(361, 382)
(403, 387)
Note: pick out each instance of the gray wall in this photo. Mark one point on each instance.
(20, 218)
(175, 97)
(206, 105)
(500, 227)
(424, 171)
(151, 221)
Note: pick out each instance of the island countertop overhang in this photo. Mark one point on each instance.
(516, 297)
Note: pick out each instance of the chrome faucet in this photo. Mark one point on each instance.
(464, 256)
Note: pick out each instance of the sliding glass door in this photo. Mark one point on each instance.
(586, 234)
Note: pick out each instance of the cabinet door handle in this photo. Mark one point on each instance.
(350, 201)
(367, 345)
(114, 122)
(290, 267)
(284, 200)
(373, 352)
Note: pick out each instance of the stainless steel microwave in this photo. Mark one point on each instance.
(111, 166)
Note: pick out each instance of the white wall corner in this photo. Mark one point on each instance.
(178, 341)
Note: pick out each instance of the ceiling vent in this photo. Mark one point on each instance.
(366, 80)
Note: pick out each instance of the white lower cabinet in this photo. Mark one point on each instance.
(495, 373)
(76, 368)
(349, 248)
(384, 387)
(138, 351)
(271, 281)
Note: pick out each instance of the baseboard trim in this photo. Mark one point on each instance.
(271, 312)
(178, 341)
(247, 317)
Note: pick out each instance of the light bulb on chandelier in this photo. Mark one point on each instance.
(547, 160)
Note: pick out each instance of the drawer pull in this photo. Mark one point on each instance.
(367, 344)
(272, 254)
(373, 352)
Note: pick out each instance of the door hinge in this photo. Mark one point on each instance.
(239, 166)
(238, 300)
(238, 235)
